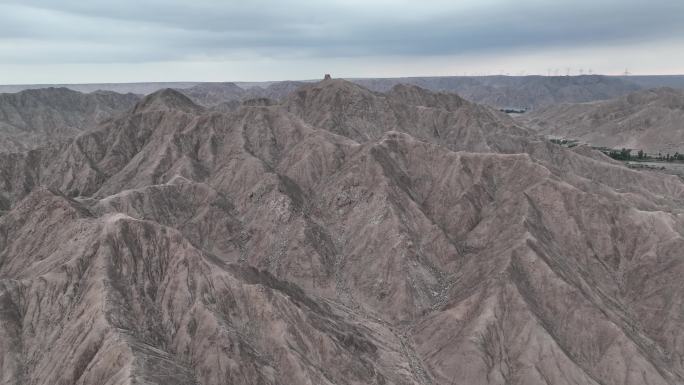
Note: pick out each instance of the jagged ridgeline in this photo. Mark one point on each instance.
(336, 235)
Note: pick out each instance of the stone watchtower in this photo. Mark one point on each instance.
(327, 77)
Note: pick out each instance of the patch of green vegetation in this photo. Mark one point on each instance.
(624, 154)
(640, 166)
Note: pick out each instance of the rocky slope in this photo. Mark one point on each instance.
(340, 237)
(32, 118)
(652, 120)
(352, 111)
(518, 91)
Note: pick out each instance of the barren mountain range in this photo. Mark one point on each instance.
(529, 92)
(651, 120)
(33, 117)
(497, 91)
(339, 236)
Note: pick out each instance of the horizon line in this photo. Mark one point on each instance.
(345, 78)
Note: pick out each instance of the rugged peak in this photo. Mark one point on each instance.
(53, 95)
(326, 94)
(37, 117)
(330, 87)
(417, 96)
(412, 89)
(341, 83)
(165, 100)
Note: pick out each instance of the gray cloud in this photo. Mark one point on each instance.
(133, 31)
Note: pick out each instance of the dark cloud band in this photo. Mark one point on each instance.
(131, 31)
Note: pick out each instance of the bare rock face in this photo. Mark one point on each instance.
(355, 112)
(339, 237)
(650, 120)
(33, 118)
(165, 100)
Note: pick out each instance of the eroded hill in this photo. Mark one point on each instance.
(33, 118)
(649, 120)
(339, 237)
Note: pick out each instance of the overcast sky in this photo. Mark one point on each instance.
(70, 41)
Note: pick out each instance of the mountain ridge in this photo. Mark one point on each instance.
(497, 91)
(335, 238)
(29, 118)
